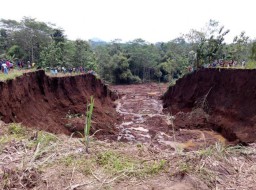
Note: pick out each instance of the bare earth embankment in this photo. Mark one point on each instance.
(151, 149)
(219, 99)
(57, 104)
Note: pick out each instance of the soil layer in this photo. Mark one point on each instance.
(57, 104)
(226, 96)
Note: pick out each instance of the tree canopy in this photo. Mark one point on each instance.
(117, 62)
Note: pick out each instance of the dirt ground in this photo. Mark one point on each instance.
(144, 149)
(48, 161)
(144, 120)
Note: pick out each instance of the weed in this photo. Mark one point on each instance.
(15, 132)
(16, 129)
(68, 160)
(205, 152)
(82, 164)
(87, 126)
(114, 162)
(184, 167)
(45, 138)
(155, 167)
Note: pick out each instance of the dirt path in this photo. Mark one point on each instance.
(144, 120)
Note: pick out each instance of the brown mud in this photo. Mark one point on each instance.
(223, 100)
(144, 120)
(57, 104)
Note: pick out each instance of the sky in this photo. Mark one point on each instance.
(151, 20)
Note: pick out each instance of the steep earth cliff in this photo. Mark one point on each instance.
(57, 104)
(220, 99)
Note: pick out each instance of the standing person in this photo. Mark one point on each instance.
(5, 68)
(243, 63)
(28, 65)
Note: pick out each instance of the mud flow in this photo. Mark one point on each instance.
(144, 120)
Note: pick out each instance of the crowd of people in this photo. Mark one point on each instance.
(71, 70)
(219, 64)
(7, 65)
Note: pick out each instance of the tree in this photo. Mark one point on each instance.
(30, 35)
(84, 56)
(123, 74)
(253, 51)
(238, 50)
(16, 52)
(52, 55)
(208, 43)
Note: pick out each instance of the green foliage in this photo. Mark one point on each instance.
(83, 56)
(52, 56)
(122, 63)
(123, 74)
(15, 132)
(44, 138)
(167, 70)
(250, 65)
(155, 167)
(16, 52)
(16, 129)
(211, 43)
(87, 127)
(114, 162)
(238, 49)
(253, 51)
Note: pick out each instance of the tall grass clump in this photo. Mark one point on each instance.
(87, 127)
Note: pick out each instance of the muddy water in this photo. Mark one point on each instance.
(145, 122)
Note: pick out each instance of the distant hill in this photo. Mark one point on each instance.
(94, 42)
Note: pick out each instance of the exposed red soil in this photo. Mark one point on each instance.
(144, 121)
(227, 98)
(57, 104)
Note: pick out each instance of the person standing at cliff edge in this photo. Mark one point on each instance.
(5, 68)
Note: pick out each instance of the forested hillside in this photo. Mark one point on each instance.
(123, 62)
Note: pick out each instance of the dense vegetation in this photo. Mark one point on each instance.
(117, 62)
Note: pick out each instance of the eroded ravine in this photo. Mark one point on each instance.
(144, 121)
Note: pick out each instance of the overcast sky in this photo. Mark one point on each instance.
(151, 20)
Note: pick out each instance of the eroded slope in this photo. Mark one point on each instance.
(226, 96)
(57, 104)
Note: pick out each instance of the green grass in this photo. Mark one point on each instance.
(16, 129)
(115, 163)
(15, 132)
(45, 138)
(11, 75)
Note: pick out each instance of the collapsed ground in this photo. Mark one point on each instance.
(161, 153)
(57, 104)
